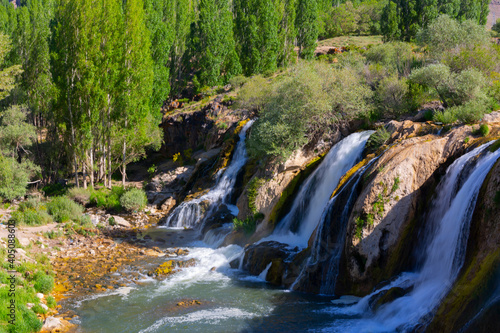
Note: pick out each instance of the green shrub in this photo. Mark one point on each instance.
(51, 302)
(108, 199)
(38, 309)
(31, 212)
(470, 112)
(253, 187)
(64, 209)
(53, 190)
(484, 130)
(14, 178)
(79, 195)
(392, 95)
(43, 283)
(238, 81)
(134, 200)
(446, 117)
(247, 225)
(378, 139)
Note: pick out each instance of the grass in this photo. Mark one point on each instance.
(357, 41)
(64, 209)
(33, 277)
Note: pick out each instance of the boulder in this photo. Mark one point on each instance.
(121, 221)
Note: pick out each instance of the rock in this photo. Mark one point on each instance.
(188, 303)
(387, 296)
(40, 295)
(24, 241)
(95, 219)
(53, 325)
(44, 306)
(30, 305)
(464, 306)
(167, 205)
(121, 221)
(493, 117)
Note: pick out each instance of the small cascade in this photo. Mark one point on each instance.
(445, 252)
(323, 263)
(298, 225)
(191, 213)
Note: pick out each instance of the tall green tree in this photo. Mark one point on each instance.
(161, 24)
(256, 29)
(287, 31)
(212, 45)
(136, 125)
(307, 22)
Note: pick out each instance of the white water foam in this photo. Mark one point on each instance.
(191, 213)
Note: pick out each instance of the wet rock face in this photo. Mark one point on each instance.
(379, 231)
(480, 274)
(258, 256)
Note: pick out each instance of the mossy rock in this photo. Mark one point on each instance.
(388, 296)
(288, 195)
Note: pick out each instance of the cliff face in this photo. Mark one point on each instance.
(478, 283)
(386, 214)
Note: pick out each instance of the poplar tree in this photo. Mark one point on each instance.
(135, 127)
(256, 29)
(161, 24)
(307, 27)
(212, 45)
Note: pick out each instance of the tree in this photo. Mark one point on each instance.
(7, 74)
(496, 26)
(389, 22)
(307, 27)
(161, 24)
(213, 33)
(256, 31)
(136, 124)
(287, 31)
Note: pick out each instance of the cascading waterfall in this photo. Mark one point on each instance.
(330, 236)
(191, 213)
(445, 252)
(298, 225)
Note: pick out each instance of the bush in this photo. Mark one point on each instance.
(238, 81)
(247, 225)
(14, 178)
(392, 95)
(378, 139)
(470, 112)
(79, 195)
(31, 212)
(446, 117)
(38, 309)
(53, 190)
(108, 199)
(43, 283)
(484, 130)
(452, 88)
(51, 302)
(64, 209)
(254, 93)
(306, 100)
(134, 200)
(396, 57)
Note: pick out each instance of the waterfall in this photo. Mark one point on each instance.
(191, 213)
(330, 236)
(445, 252)
(298, 225)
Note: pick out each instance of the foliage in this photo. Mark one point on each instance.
(79, 195)
(446, 117)
(307, 98)
(14, 177)
(445, 34)
(253, 187)
(7, 74)
(247, 225)
(484, 130)
(307, 27)
(470, 112)
(106, 198)
(496, 26)
(43, 282)
(255, 93)
(134, 200)
(64, 209)
(452, 88)
(395, 57)
(32, 213)
(392, 95)
(378, 139)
